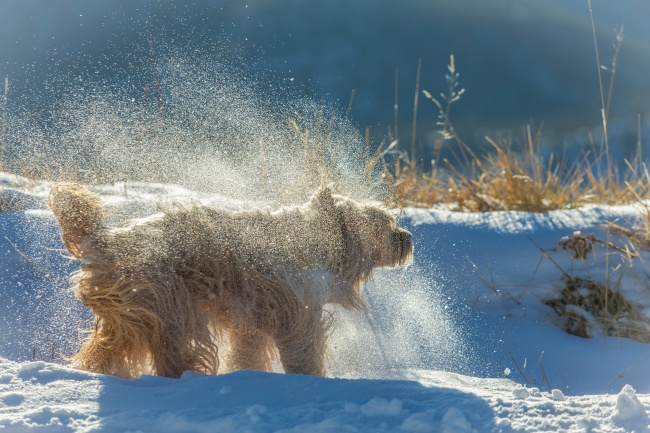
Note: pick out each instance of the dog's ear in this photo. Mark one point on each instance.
(323, 199)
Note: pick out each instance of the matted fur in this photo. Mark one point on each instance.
(163, 289)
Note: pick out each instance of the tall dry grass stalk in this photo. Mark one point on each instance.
(514, 176)
(603, 111)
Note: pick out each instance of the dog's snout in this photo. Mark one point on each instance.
(404, 237)
(403, 240)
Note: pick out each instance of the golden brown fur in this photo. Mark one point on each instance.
(163, 289)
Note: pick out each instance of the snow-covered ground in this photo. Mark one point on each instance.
(459, 342)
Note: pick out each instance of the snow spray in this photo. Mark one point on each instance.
(406, 326)
(196, 121)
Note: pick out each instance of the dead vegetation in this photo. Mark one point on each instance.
(581, 245)
(585, 306)
(511, 174)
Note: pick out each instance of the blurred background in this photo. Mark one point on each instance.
(520, 61)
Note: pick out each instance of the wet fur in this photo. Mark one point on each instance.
(164, 289)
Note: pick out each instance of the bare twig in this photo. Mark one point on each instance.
(547, 255)
(603, 111)
(347, 112)
(489, 282)
(622, 373)
(544, 377)
(415, 109)
(523, 376)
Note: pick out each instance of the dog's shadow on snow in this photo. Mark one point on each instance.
(290, 401)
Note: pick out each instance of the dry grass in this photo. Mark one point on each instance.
(584, 304)
(514, 177)
(582, 245)
(511, 175)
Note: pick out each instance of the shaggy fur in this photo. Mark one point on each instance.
(165, 288)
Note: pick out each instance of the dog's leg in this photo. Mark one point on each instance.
(249, 350)
(169, 358)
(103, 353)
(302, 349)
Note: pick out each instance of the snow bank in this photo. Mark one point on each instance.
(38, 396)
(428, 355)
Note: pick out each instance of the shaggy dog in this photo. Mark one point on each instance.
(163, 289)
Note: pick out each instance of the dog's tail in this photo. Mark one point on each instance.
(80, 214)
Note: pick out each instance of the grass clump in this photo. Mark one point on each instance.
(512, 176)
(585, 305)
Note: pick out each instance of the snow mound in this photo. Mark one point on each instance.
(629, 412)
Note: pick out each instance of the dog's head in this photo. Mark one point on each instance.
(383, 242)
(380, 240)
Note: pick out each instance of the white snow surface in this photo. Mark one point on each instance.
(461, 341)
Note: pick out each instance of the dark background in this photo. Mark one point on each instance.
(519, 60)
